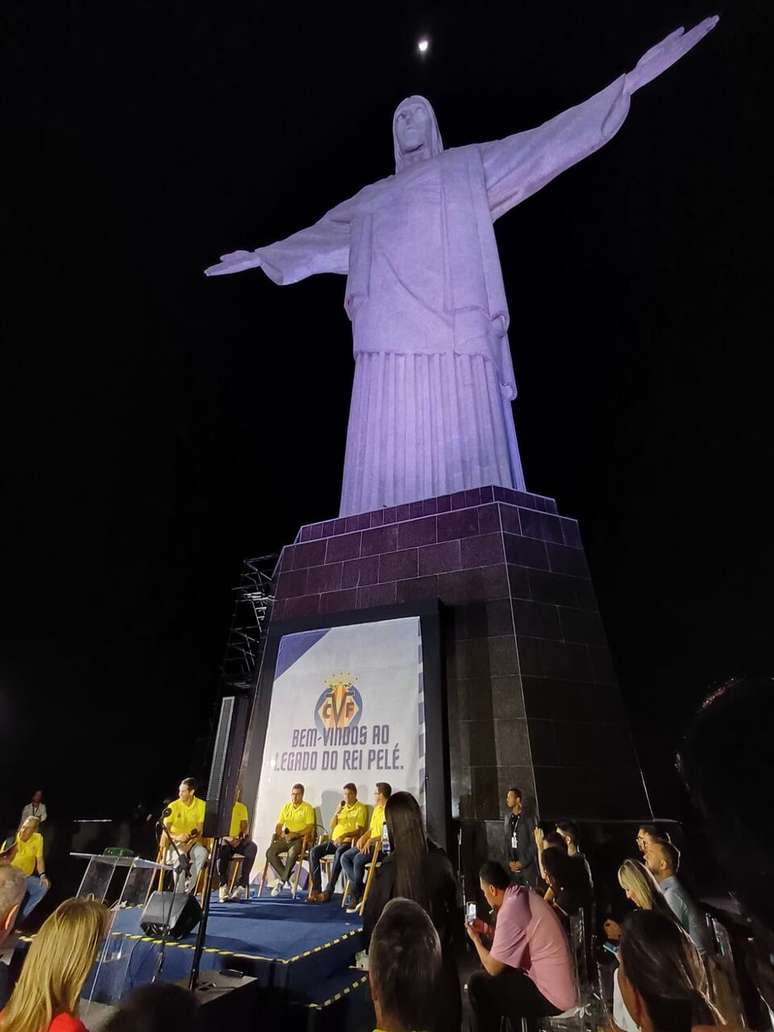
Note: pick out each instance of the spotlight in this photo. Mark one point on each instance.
(423, 46)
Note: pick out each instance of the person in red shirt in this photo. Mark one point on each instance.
(59, 960)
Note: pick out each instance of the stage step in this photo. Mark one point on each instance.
(341, 1003)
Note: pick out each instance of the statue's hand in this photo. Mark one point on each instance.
(665, 53)
(236, 261)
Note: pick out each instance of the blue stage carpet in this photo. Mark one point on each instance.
(266, 928)
(287, 944)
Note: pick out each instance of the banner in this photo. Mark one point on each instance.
(347, 705)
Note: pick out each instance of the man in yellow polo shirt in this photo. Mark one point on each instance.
(354, 861)
(237, 841)
(348, 824)
(29, 860)
(184, 824)
(296, 820)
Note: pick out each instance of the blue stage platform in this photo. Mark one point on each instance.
(302, 955)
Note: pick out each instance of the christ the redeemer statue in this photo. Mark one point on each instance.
(431, 408)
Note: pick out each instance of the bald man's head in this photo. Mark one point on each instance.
(662, 859)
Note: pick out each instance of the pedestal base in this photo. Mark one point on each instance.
(531, 692)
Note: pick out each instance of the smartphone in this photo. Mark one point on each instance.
(470, 913)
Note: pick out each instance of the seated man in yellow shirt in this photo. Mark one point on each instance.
(354, 861)
(237, 841)
(184, 824)
(295, 822)
(348, 824)
(29, 860)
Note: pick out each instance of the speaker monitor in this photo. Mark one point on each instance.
(181, 910)
(224, 772)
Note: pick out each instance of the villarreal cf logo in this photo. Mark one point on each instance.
(340, 705)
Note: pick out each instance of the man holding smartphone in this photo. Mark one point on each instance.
(526, 971)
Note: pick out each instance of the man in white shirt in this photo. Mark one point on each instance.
(36, 808)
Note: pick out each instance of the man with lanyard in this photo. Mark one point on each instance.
(29, 860)
(354, 861)
(184, 825)
(296, 822)
(36, 808)
(237, 841)
(348, 824)
(520, 846)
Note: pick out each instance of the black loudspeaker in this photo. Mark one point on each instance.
(181, 910)
(224, 773)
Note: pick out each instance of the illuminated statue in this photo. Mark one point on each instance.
(431, 408)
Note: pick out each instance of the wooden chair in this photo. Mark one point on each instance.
(309, 842)
(372, 868)
(235, 868)
(201, 881)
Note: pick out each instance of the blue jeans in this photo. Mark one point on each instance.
(36, 890)
(353, 863)
(325, 849)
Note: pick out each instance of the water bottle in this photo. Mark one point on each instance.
(385, 840)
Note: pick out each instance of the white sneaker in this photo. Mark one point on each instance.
(278, 886)
(239, 892)
(223, 894)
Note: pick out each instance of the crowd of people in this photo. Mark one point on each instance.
(527, 948)
(538, 930)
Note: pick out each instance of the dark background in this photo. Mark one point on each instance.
(157, 427)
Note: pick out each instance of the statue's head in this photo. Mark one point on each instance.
(415, 132)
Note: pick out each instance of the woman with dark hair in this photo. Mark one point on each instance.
(418, 869)
(567, 879)
(156, 1008)
(661, 976)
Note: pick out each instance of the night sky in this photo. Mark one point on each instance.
(157, 427)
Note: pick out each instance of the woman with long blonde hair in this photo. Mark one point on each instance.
(641, 888)
(47, 994)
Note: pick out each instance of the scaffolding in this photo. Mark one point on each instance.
(241, 664)
(253, 600)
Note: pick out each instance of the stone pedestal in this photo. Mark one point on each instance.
(531, 692)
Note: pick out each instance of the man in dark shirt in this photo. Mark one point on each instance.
(520, 848)
(404, 967)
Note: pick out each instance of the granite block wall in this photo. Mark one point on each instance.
(531, 692)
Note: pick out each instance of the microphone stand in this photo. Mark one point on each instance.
(183, 867)
(201, 933)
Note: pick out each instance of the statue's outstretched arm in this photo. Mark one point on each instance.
(323, 247)
(520, 165)
(665, 53)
